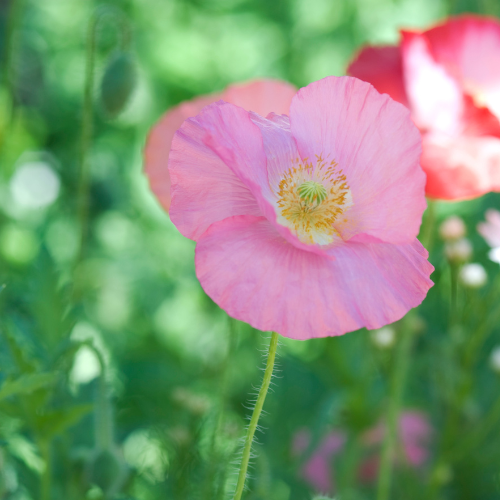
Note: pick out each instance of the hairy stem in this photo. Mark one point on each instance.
(397, 383)
(256, 415)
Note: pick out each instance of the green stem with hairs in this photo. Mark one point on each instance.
(397, 384)
(268, 373)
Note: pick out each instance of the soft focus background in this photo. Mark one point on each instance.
(139, 349)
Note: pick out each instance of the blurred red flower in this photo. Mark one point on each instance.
(449, 77)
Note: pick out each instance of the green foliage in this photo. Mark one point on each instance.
(26, 384)
(140, 347)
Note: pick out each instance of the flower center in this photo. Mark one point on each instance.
(312, 192)
(311, 199)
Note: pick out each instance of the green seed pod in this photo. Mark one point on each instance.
(118, 83)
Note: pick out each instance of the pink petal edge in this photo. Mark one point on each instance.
(256, 276)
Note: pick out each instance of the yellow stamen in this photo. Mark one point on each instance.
(311, 198)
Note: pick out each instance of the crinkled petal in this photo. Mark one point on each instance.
(435, 97)
(376, 145)
(382, 67)
(239, 142)
(261, 96)
(205, 190)
(279, 145)
(479, 120)
(469, 47)
(159, 142)
(460, 168)
(256, 276)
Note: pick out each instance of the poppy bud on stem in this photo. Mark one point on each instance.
(88, 111)
(255, 416)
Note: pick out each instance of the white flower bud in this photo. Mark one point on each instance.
(452, 228)
(384, 337)
(495, 359)
(458, 251)
(473, 275)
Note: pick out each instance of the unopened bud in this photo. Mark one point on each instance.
(458, 251)
(452, 228)
(384, 337)
(118, 83)
(107, 470)
(473, 275)
(495, 359)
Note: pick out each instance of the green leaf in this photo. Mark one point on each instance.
(26, 384)
(25, 451)
(19, 351)
(54, 422)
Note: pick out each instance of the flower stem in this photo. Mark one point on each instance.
(427, 232)
(256, 415)
(88, 112)
(453, 294)
(46, 479)
(480, 432)
(396, 393)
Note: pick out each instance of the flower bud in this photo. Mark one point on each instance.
(107, 470)
(473, 275)
(383, 337)
(118, 83)
(452, 228)
(458, 251)
(495, 359)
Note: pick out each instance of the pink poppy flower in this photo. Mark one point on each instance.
(414, 432)
(449, 77)
(305, 225)
(261, 96)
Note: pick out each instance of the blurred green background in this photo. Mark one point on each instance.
(151, 426)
